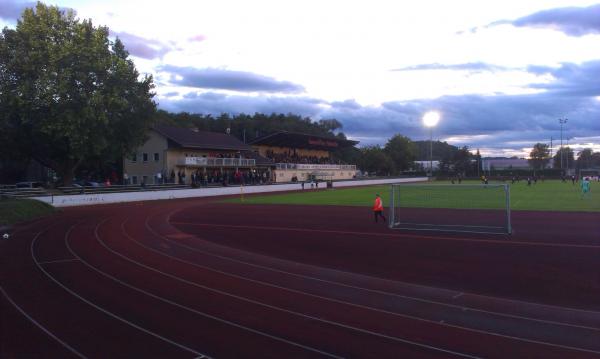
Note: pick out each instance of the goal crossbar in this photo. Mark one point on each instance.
(468, 208)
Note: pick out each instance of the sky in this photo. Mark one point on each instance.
(500, 73)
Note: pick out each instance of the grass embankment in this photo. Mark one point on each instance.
(18, 210)
(551, 195)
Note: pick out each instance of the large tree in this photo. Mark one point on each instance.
(586, 159)
(402, 151)
(375, 159)
(67, 93)
(564, 158)
(539, 156)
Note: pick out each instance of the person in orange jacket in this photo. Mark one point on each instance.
(378, 208)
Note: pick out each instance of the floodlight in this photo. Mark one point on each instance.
(431, 118)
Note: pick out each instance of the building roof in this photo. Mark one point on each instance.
(302, 140)
(185, 137)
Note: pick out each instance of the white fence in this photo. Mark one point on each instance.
(102, 198)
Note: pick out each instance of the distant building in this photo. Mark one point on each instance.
(174, 154)
(424, 165)
(488, 164)
(302, 157)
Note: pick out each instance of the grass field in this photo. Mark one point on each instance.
(547, 196)
(19, 210)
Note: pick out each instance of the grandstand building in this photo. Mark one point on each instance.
(304, 157)
(182, 155)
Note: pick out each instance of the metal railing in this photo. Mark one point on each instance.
(303, 166)
(217, 162)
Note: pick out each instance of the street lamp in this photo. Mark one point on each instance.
(431, 119)
(562, 121)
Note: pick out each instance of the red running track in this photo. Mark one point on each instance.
(194, 278)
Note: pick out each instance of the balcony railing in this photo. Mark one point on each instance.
(217, 162)
(303, 166)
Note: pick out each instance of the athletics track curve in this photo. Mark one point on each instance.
(194, 278)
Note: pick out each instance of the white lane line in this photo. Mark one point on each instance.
(181, 305)
(458, 295)
(37, 324)
(41, 268)
(59, 261)
(550, 306)
(194, 249)
(440, 322)
(360, 330)
(381, 234)
(443, 323)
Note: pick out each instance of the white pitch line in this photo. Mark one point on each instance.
(427, 320)
(206, 315)
(37, 324)
(364, 331)
(59, 261)
(194, 249)
(550, 306)
(33, 256)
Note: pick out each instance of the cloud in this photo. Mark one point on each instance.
(217, 103)
(573, 80)
(197, 38)
(496, 124)
(469, 66)
(573, 21)
(143, 48)
(221, 79)
(12, 10)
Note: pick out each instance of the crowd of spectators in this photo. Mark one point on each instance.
(228, 177)
(292, 157)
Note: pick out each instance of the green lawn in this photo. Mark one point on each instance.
(546, 196)
(19, 210)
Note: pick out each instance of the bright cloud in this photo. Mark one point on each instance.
(375, 65)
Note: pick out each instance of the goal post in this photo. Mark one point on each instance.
(470, 208)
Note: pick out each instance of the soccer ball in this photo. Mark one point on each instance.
(5, 236)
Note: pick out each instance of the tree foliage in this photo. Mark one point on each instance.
(587, 158)
(539, 156)
(67, 94)
(568, 158)
(375, 160)
(401, 150)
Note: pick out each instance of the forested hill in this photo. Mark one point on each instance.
(249, 127)
(440, 150)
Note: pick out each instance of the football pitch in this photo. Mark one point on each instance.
(550, 195)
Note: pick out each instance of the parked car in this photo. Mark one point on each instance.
(29, 184)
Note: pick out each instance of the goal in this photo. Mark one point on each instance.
(457, 208)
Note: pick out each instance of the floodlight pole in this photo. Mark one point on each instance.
(431, 151)
(562, 121)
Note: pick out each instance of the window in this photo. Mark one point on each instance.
(156, 157)
(145, 157)
(134, 180)
(134, 157)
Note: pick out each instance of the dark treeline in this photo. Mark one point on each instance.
(248, 127)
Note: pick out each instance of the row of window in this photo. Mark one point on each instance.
(145, 157)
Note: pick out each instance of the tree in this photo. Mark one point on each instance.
(568, 158)
(374, 159)
(462, 161)
(402, 152)
(67, 94)
(539, 156)
(477, 163)
(585, 158)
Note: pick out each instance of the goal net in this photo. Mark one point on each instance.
(457, 208)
